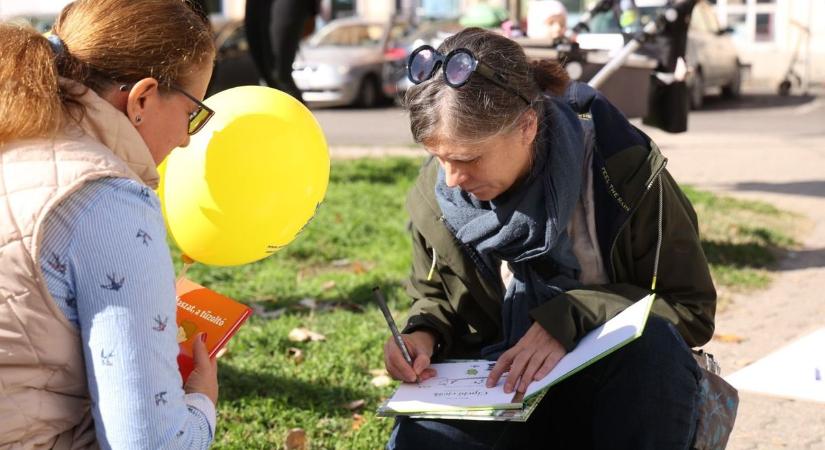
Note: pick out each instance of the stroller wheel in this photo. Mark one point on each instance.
(784, 88)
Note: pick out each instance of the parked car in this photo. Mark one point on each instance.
(711, 55)
(342, 64)
(430, 33)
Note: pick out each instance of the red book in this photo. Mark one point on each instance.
(203, 310)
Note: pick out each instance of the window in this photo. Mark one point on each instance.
(764, 27)
(739, 23)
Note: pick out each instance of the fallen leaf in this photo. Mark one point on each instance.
(340, 263)
(730, 338)
(296, 439)
(328, 285)
(303, 335)
(355, 405)
(381, 381)
(357, 421)
(295, 354)
(358, 268)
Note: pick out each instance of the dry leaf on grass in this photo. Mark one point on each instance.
(354, 405)
(730, 338)
(357, 421)
(358, 268)
(296, 439)
(303, 335)
(295, 354)
(328, 285)
(381, 381)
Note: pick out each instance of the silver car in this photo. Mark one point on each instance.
(342, 63)
(711, 55)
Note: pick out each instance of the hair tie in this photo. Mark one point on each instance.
(58, 47)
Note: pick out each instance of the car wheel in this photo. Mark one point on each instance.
(697, 90)
(734, 89)
(368, 93)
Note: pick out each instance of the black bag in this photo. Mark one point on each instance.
(718, 402)
(667, 105)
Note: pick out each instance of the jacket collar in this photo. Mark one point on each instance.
(103, 122)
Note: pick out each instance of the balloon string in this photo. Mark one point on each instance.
(187, 263)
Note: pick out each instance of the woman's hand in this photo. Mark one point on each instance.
(532, 358)
(204, 378)
(420, 344)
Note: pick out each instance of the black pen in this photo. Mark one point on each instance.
(395, 334)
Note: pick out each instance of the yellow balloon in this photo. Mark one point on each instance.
(249, 181)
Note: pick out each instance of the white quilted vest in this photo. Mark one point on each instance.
(44, 401)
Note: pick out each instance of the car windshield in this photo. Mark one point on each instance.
(356, 35)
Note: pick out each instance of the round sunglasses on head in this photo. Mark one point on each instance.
(457, 66)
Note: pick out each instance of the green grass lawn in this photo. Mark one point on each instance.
(359, 240)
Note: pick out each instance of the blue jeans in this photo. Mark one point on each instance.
(643, 396)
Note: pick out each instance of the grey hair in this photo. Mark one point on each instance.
(480, 109)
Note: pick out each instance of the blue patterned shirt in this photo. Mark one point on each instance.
(108, 268)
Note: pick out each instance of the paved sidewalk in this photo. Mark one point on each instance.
(782, 163)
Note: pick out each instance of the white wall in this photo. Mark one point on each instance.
(770, 61)
(234, 9)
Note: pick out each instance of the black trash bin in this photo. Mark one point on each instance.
(667, 105)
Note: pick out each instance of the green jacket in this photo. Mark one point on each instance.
(463, 308)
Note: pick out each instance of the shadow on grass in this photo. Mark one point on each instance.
(238, 385)
(355, 298)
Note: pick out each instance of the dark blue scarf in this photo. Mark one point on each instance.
(526, 226)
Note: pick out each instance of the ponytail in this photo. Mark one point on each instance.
(30, 103)
(550, 76)
(101, 43)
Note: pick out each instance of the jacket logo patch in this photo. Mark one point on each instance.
(613, 192)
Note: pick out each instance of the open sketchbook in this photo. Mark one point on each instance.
(458, 391)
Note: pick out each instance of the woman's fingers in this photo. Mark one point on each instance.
(517, 369)
(427, 374)
(395, 364)
(548, 364)
(502, 365)
(533, 366)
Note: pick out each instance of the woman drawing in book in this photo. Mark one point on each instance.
(88, 358)
(541, 214)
